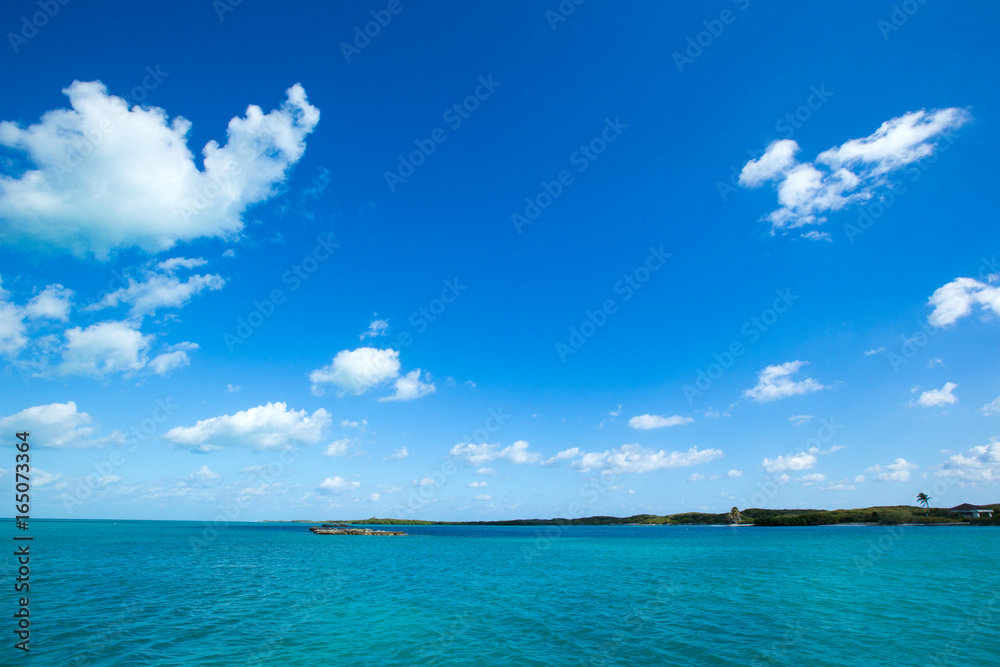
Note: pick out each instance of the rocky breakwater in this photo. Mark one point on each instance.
(338, 530)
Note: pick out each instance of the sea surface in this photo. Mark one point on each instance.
(174, 593)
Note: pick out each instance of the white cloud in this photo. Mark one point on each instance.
(232, 388)
(357, 371)
(637, 459)
(374, 497)
(477, 485)
(801, 461)
(160, 288)
(271, 426)
(57, 425)
(397, 455)
(376, 328)
(935, 398)
(341, 447)
(483, 498)
(777, 159)
(875, 350)
(489, 472)
(337, 484)
(137, 183)
(955, 300)
(409, 387)
(696, 477)
(646, 422)
(898, 471)
(975, 465)
(360, 425)
(992, 408)
(799, 420)
(175, 357)
(106, 347)
(775, 382)
(52, 303)
(810, 479)
(851, 172)
(616, 413)
(734, 473)
(564, 455)
(204, 475)
(477, 454)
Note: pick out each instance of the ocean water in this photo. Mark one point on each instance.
(139, 593)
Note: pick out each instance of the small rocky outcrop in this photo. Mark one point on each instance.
(337, 530)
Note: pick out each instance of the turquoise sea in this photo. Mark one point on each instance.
(138, 593)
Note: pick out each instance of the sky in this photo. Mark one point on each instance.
(473, 261)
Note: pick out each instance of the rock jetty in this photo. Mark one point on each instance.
(327, 529)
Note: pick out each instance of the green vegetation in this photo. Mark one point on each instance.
(888, 516)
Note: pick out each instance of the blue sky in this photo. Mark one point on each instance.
(494, 261)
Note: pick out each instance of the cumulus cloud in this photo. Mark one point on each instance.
(337, 485)
(340, 447)
(483, 498)
(106, 347)
(159, 287)
(976, 465)
(810, 479)
(478, 454)
(935, 398)
(376, 328)
(851, 172)
(957, 299)
(105, 176)
(477, 485)
(637, 459)
(490, 472)
(897, 471)
(397, 455)
(775, 382)
(734, 473)
(356, 371)
(204, 475)
(52, 303)
(409, 387)
(646, 422)
(58, 425)
(271, 426)
(992, 408)
(801, 461)
(799, 420)
(175, 357)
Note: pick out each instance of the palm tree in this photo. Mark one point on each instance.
(924, 500)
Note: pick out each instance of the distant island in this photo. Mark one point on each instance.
(882, 515)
